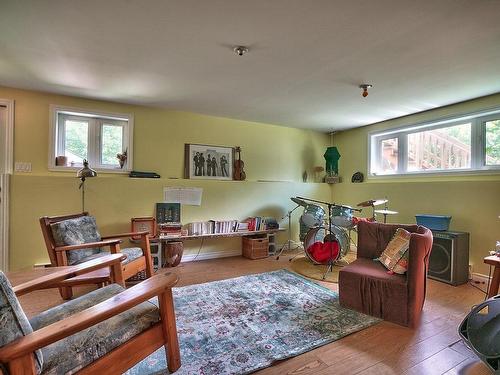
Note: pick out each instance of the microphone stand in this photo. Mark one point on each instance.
(288, 243)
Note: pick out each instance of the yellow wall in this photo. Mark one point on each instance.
(473, 201)
(269, 152)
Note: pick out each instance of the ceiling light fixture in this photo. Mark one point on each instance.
(240, 50)
(365, 87)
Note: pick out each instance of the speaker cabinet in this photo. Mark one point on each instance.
(449, 260)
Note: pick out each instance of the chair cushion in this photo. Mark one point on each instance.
(365, 286)
(132, 253)
(75, 232)
(69, 355)
(13, 320)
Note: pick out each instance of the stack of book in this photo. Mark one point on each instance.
(231, 226)
(261, 223)
(170, 229)
(212, 227)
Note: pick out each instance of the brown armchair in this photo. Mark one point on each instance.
(365, 285)
(74, 239)
(106, 331)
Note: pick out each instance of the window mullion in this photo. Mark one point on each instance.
(92, 142)
(478, 154)
(402, 152)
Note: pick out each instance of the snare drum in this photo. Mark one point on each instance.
(319, 235)
(342, 216)
(313, 216)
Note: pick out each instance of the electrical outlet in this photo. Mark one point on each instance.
(470, 271)
(24, 167)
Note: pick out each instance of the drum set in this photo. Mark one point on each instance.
(326, 236)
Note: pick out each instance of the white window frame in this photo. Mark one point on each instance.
(96, 120)
(478, 147)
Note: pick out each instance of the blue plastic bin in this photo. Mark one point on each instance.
(434, 222)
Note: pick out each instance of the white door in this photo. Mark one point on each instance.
(6, 154)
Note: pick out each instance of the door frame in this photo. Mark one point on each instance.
(5, 171)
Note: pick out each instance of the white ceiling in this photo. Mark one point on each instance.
(306, 59)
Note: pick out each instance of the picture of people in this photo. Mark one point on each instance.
(209, 162)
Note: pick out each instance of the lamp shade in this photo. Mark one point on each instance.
(86, 171)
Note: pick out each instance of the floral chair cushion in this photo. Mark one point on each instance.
(77, 351)
(75, 232)
(131, 253)
(13, 321)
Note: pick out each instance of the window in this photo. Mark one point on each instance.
(97, 137)
(466, 143)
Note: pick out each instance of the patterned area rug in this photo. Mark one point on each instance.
(241, 325)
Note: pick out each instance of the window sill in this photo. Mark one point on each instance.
(100, 170)
(482, 174)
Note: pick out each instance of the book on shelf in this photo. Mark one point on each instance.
(258, 223)
(231, 226)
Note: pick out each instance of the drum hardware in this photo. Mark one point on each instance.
(385, 213)
(288, 244)
(331, 236)
(299, 201)
(372, 203)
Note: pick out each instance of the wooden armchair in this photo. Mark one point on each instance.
(73, 239)
(106, 331)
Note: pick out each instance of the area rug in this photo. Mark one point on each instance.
(241, 325)
(304, 266)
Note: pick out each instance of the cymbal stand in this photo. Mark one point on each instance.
(288, 244)
(331, 261)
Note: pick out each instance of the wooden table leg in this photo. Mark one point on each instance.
(495, 282)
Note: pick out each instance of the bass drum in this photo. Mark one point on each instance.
(322, 235)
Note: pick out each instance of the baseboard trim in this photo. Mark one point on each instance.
(210, 255)
(480, 278)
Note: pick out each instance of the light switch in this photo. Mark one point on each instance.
(24, 167)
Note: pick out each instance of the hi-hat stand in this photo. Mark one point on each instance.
(288, 244)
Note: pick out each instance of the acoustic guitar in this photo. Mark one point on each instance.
(239, 174)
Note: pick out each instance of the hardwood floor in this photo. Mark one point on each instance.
(386, 348)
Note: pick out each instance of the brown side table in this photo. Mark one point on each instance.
(494, 261)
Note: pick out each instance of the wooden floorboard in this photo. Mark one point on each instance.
(433, 347)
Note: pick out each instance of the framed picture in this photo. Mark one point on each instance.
(168, 213)
(141, 224)
(208, 162)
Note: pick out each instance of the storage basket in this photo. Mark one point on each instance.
(255, 247)
(434, 222)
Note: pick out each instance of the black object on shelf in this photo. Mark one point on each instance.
(449, 259)
(137, 174)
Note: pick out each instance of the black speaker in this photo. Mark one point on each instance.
(449, 261)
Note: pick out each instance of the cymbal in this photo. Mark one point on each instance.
(373, 202)
(299, 201)
(386, 212)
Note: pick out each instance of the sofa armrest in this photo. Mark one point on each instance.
(154, 286)
(52, 280)
(418, 262)
(128, 234)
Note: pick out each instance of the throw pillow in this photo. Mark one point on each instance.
(395, 255)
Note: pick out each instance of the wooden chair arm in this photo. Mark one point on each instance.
(123, 301)
(87, 245)
(123, 235)
(49, 281)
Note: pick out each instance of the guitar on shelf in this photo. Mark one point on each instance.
(239, 173)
